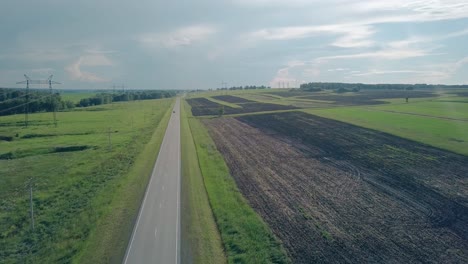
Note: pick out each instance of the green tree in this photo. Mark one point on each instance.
(221, 110)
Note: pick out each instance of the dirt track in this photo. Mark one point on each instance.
(335, 193)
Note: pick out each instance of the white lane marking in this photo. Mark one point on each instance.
(178, 194)
(155, 232)
(164, 142)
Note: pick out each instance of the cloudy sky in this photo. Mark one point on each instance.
(197, 44)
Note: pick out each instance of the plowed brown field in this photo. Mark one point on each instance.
(203, 106)
(337, 193)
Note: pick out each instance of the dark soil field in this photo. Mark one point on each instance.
(232, 99)
(369, 97)
(338, 193)
(203, 106)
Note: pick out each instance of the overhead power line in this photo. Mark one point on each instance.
(28, 82)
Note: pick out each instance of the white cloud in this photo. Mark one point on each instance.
(185, 36)
(43, 71)
(338, 69)
(383, 72)
(351, 36)
(76, 73)
(284, 79)
(387, 54)
(409, 10)
(435, 73)
(269, 3)
(38, 55)
(364, 17)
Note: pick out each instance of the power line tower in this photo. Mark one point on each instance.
(52, 103)
(223, 84)
(26, 106)
(31, 203)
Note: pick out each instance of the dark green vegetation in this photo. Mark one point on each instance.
(16, 101)
(203, 106)
(440, 121)
(369, 97)
(247, 87)
(335, 192)
(201, 242)
(89, 175)
(358, 86)
(246, 238)
(107, 98)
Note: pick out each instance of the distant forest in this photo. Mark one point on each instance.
(107, 98)
(247, 87)
(353, 87)
(17, 101)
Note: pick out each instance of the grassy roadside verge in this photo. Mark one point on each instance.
(246, 238)
(201, 242)
(108, 240)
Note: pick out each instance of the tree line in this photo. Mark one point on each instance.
(15, 101)
(107, 98)
(345, 87)
(247, 87)
(18, 101)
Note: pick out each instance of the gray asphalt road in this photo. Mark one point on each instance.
(156, 234)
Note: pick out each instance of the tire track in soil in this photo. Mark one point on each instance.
(312, 181)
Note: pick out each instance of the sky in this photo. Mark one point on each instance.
(182, 44)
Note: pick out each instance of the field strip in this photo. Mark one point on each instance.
(223, 102)
(246, 237)
(415, 114)
(108, 241)
(200, 238)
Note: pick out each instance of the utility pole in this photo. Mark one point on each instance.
(31, 206)
(52, 101)
(110, 142)
(29, 82)
(223, 84)
(26, 106)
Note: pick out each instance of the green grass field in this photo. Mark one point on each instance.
(446, 107)
(246, 238)
(75, 97)
(438, 121)
(85, 199)
(447, 134)
(201, 241)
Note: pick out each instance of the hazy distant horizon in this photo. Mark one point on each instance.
(59, 87)
(93, 44)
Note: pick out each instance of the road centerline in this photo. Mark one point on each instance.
(164, 221)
